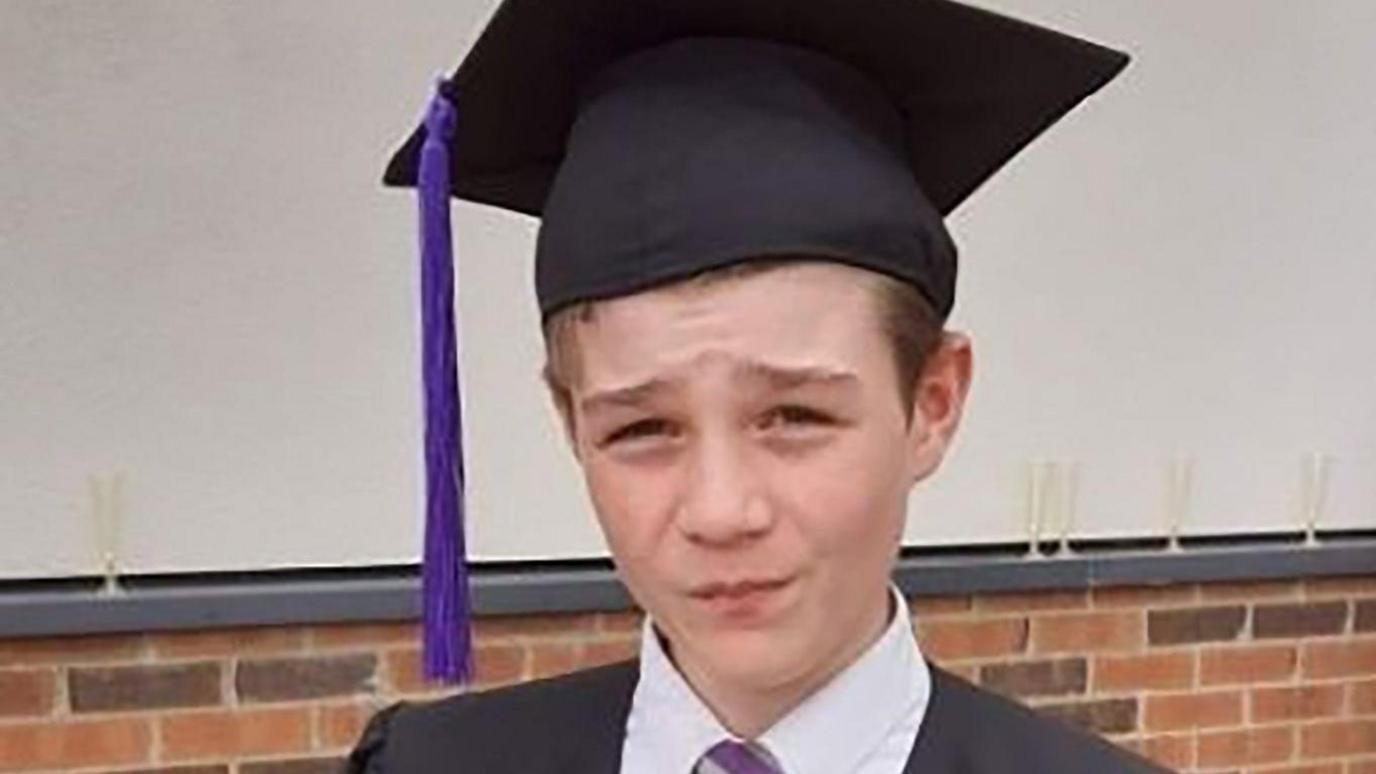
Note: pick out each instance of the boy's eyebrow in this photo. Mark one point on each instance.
(784, 378)
(632, 396)
(777, 377)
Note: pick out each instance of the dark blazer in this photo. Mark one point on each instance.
(575, 724)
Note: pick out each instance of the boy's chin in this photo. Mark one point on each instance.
(756, 663)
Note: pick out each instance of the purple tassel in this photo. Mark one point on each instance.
(444, 586)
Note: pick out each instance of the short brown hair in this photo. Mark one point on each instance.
(907, 320)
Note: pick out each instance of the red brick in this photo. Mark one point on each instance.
(1346, 658)
(339, 725)
(232, 734)
(1148, 671)
(1364, 697)
(955, 639)
(1332, 738)
(1102, 716)
(27, 692)
(1302, 768)
(1032, 601)
(1246, 747)
(144, 687)
(1299, 619)
(1346, 669)
(1056, 677)
(354, 635)
(202, 769)
(70, 650)
(554, 658)
(942, 605)
(1117, 597)
(1180, 711)
(1250, 591)
(919, 606)
(1364, 616)
(294, 766)
(1246, 664)
(401, 671)
(1189, 625)
(1174, 751)
(310, 677)
(1092, 632)
(608, 651)
(1341, 586)
(533, 626)
(498, 664)
(623, 622)
(493, 665)
(255, 641)
(65, 746)
(1300, 702)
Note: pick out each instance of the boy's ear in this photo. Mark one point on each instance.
(939, 403)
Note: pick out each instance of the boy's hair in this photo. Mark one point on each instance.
(905, 317)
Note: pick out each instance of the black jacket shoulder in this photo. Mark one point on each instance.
(572, 724)
(969, 730)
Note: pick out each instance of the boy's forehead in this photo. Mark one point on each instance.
(806, 318)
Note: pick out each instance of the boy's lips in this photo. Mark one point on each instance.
(737, 589)
(749, 603)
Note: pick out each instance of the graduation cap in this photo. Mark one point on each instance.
(657, 139)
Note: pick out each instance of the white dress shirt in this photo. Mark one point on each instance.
(864, 721)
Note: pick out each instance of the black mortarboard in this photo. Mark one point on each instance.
(657, 139)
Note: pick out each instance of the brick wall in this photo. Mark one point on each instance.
(1258, 677)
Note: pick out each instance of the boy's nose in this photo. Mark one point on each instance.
(724, 501)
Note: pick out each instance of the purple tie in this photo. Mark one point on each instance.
(735, 758)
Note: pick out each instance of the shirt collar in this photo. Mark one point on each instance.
(888, 686)
(668, 728)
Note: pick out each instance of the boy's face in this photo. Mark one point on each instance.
(749, 458)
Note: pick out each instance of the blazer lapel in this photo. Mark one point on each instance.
(590, 740)
(934, 748)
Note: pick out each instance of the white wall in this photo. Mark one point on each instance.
(203, 285)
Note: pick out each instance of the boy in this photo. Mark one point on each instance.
(744, 274)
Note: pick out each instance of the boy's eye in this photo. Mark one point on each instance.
(643, 428)
(795, 415)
